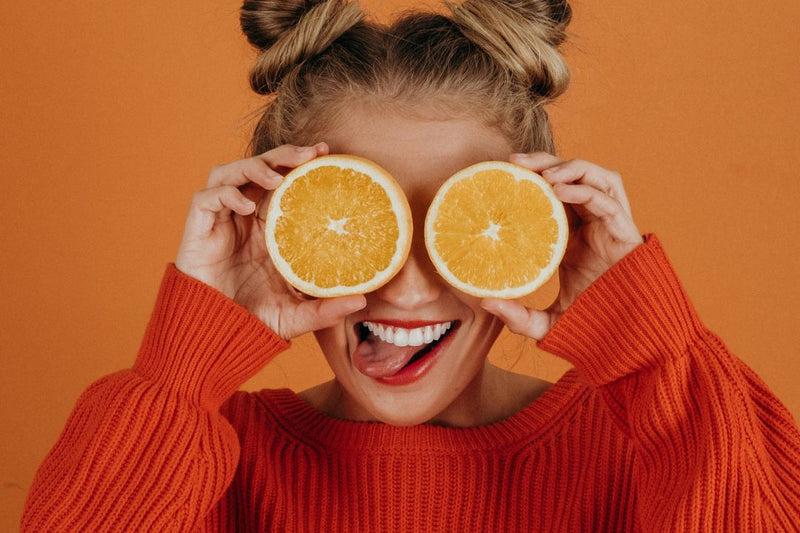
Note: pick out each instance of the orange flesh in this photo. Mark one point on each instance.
(491, 204)
(337, 227)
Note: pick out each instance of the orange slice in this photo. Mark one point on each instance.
(496, 230)
(338, 225)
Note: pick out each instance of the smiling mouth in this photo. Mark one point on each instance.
(399, 355)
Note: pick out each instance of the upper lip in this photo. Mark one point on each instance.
(406, 324)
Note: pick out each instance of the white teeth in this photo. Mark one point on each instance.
(401, 337)
(408, 337)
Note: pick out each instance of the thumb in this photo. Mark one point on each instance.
(322, 313)
(518, 318)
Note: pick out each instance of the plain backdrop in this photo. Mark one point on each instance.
(112, 113)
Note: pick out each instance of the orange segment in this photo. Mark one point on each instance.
(338, 225)
(496, 230)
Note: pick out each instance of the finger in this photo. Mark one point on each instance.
(264, 169)
(518, 318)
(586, 173)
(288, 156)
(594, 203)
(322, 313)
(536, 161)
(211, 204)
(244, 171)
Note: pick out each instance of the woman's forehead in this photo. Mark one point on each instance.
(412, 146)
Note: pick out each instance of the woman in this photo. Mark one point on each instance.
(658, 427)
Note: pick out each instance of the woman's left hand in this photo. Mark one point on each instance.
(602, 232)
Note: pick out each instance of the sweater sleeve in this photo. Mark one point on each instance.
(146, 449)
(714, 449)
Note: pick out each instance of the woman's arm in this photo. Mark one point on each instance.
(146, 449)
(714, 449)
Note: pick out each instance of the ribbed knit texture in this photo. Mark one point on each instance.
(658, 428)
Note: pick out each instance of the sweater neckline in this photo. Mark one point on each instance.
(536, 421)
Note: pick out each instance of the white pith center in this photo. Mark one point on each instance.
(337, 225)
(408, 337)
(493, 231)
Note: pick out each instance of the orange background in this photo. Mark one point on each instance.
(113, 113)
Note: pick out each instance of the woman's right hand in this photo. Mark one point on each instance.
(223, 244)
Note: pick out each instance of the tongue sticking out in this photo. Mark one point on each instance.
(378, 359)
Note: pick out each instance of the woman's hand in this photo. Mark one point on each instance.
(223, 244)
(602, 232)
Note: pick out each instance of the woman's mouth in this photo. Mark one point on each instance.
(399, 353)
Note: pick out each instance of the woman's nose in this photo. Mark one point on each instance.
(415, 285)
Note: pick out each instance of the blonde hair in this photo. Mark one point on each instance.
(496, 60)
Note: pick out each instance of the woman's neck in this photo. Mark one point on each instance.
(495, 394)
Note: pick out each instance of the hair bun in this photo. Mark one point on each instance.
(521, 35)
(290, 32)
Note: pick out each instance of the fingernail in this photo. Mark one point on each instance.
(357, 305)
(272, 178)
(490, 306)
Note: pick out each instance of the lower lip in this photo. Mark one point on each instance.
(418, 369)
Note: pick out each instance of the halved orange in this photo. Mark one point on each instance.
(496, 229)
(338, 225)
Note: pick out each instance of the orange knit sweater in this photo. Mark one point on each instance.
(658, 428)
